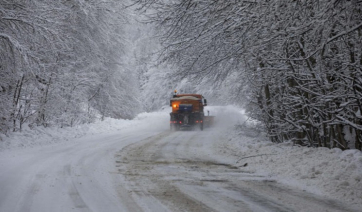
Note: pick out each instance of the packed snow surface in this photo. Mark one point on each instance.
(83, 159)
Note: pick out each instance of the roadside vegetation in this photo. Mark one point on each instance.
(296, 66)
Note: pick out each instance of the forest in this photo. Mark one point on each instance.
(295, 66)
(61, 63)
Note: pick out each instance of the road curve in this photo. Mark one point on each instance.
(182, 171)
(142, 170)
(77, 175)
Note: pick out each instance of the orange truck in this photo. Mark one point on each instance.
(187, 111)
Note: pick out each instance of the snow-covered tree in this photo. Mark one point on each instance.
(297, 64)
(62, 63)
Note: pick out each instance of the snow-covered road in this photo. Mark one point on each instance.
(181, 171)
(144, 167)
(76, 176)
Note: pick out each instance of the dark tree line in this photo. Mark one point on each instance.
(295, 65)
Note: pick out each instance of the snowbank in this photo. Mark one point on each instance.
(40, 136)
(330, 172)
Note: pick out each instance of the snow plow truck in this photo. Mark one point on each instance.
(188, 112)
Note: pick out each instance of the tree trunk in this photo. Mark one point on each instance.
(44, 100)
(16, 99)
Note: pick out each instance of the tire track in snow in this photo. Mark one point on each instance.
(174, 172)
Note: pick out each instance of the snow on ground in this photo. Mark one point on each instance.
(330, 172)
(42, 136)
